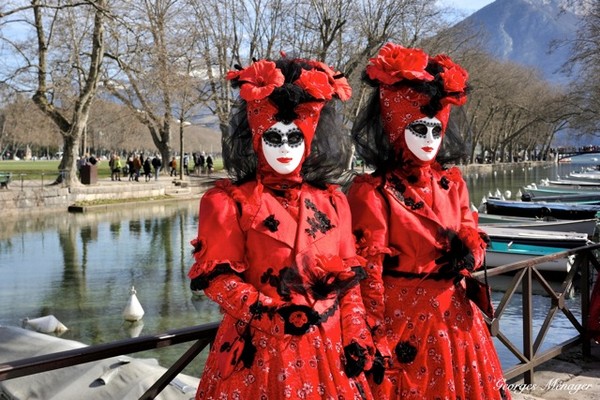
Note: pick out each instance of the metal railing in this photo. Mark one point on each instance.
(38, 180)
(525, 273)
(530, 357)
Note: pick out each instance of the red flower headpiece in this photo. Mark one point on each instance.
(260, 81)
(395, 63)
(401, 72)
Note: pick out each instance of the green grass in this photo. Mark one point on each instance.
(48, 169)
(29, 170)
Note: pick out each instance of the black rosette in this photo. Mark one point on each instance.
(444, 183)
(271, 223)
(355, 359)
(405, 352)
(298, 319)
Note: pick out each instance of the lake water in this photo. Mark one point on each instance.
(80, 268)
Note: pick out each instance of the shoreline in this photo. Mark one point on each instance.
(32, 197)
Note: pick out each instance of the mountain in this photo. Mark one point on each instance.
(522, 31)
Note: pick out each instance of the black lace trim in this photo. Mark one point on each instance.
(202, 281)
(398, 188)
(319, 223)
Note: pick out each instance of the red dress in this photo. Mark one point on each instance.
(290, 255)
(440, 345)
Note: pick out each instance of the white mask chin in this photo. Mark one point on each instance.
(283, 147)
(423, 138)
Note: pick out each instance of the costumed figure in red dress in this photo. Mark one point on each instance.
(413, 223)
(275, 248)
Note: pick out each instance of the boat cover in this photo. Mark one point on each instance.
(113, 378)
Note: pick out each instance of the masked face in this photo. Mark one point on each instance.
(283, 147)
(424, 137)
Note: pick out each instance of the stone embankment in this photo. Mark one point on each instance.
(32, 196)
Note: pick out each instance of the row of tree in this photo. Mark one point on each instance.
(98, 65)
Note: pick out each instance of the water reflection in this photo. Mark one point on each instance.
(80, 267)
(511, 324)
(512, 178)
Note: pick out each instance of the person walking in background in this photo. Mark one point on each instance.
(274, 246)
(209, 165)
(118, 166)
(413, 224)
(198, 164)
(173, 167)
(82, 162)
(147, 169)
(201, 163)
(137, 166)
(157, 165)
(111, 166)
(130, 167)
(186, 164)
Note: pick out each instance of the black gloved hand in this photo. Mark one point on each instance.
(456, 256)
(355, 359)
(298, 318)
(198, 284)
(378, 368)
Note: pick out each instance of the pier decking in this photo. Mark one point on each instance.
(566, 377)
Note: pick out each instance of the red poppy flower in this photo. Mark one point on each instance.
(316, 83)
(454, 76)
(233, 74)
(260, 79)
(341, 87)
(395, 63)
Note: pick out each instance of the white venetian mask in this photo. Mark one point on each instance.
(283, 147)
(423, 138)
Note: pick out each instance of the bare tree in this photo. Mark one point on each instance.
(23, 125)
(61, 69)
(586, 56)
(150, 64)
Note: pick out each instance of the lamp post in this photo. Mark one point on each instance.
(182, 124)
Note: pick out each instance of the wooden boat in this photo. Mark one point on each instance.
(587, 175)
(502, 253)
(580, 198)
(565, 240)
(572, 183)
(587, 226)
(557, 190)
(534, 209)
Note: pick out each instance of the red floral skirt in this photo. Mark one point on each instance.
(440, 344)
(309, 366)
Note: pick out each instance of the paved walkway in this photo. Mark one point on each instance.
(566, 377)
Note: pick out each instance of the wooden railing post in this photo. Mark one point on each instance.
(528, 324)
(584, 260)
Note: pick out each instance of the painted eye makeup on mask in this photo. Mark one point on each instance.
(421, 128)
(276, 138)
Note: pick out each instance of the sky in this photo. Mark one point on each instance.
(468, 6)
